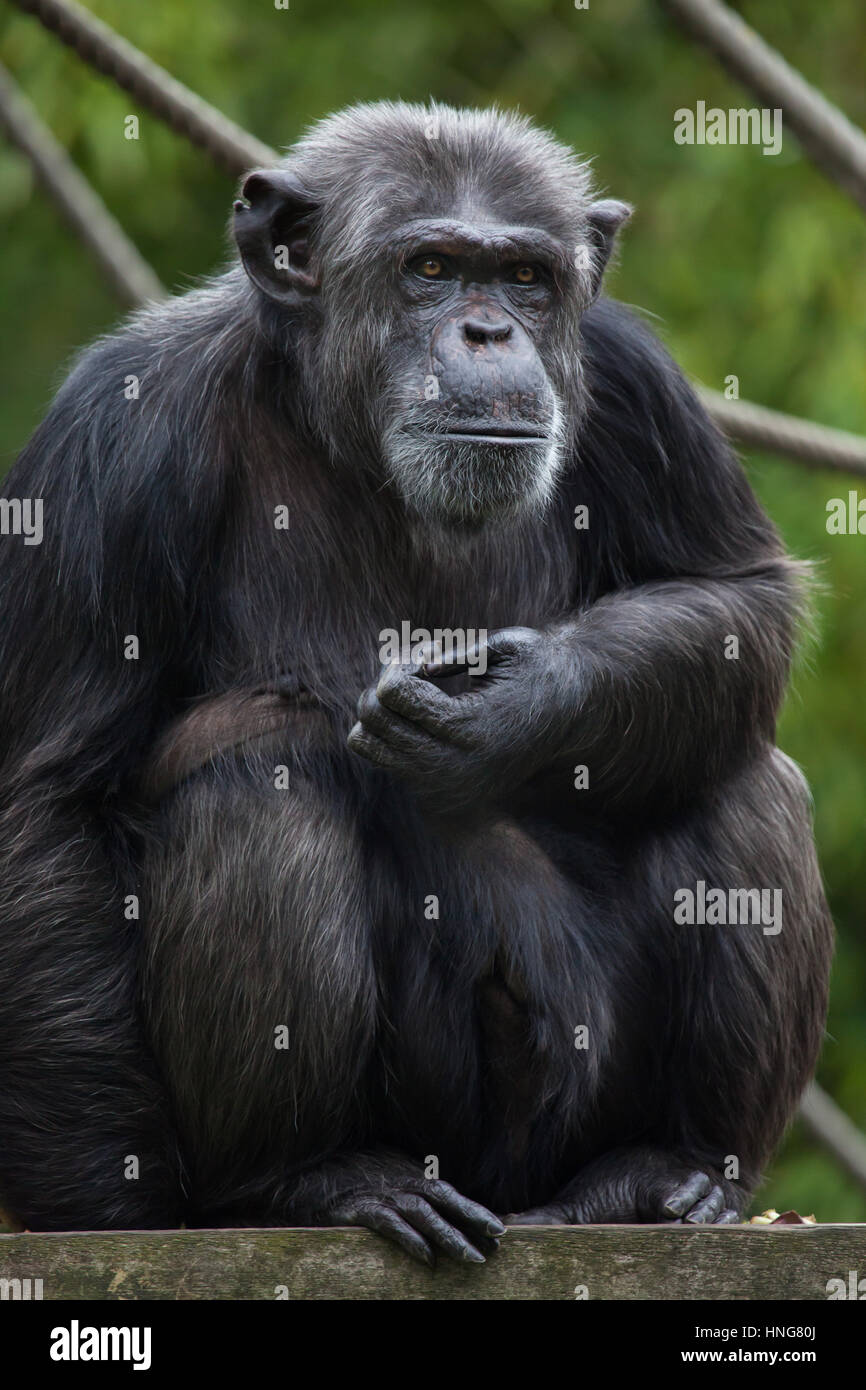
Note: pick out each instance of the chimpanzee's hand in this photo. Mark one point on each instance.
(457, 750)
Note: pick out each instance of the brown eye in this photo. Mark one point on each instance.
(430, 267)
(525, 275)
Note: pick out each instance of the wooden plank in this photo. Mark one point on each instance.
(534, 1262)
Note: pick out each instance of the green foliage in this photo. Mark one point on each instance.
(752, 265)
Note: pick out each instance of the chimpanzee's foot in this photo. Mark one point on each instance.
(640, 1186)
(424, 1216)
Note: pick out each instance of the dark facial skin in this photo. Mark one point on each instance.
(474, 429)
(480, 302)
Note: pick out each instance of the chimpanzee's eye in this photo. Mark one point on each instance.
(430, 268)
(525, 275)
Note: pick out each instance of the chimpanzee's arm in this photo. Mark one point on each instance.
(674, 685)
(85, 1138)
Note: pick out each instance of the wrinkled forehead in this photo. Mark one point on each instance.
(493, 204)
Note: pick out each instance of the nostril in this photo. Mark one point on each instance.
(477, 332)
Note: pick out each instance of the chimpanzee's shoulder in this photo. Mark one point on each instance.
(636, 388)
(620, 346)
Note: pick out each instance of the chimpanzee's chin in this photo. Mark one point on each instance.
(468, 485)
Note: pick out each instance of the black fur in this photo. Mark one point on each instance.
(260, 907)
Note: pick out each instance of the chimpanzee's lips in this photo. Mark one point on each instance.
(497, 434)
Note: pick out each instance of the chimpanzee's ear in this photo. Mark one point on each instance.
(604, 220)
(272, 225)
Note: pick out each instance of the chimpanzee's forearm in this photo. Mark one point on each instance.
(675, 684)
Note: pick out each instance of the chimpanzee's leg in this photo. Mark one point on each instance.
(261, 999)
(743, 1007)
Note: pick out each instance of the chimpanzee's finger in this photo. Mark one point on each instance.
(389, 726)
(468, 1213)
(369, 746)
(437, 1230)
(684, 1196)
(389, 1223)
(405, 691)
(707, 1209)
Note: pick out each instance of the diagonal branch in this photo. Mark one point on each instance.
(832, 142)
(758, 427)
(233, 148)
(126, 269)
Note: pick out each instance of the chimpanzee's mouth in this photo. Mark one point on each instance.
(498, 434)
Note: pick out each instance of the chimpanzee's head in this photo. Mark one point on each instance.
(427, 270)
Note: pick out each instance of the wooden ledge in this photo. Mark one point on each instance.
(534, 1262)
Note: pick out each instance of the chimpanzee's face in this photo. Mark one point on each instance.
(472, 427)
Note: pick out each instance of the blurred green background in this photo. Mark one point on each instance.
(752, 265)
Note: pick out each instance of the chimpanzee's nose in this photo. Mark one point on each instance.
(482, 331)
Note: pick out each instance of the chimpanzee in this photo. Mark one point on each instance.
(300, 926)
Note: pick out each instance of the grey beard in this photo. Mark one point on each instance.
(472, 483)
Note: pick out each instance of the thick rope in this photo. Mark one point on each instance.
(834, 145)
(840, 1136)
(758, 427)
(233, 148)
(126, 270)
